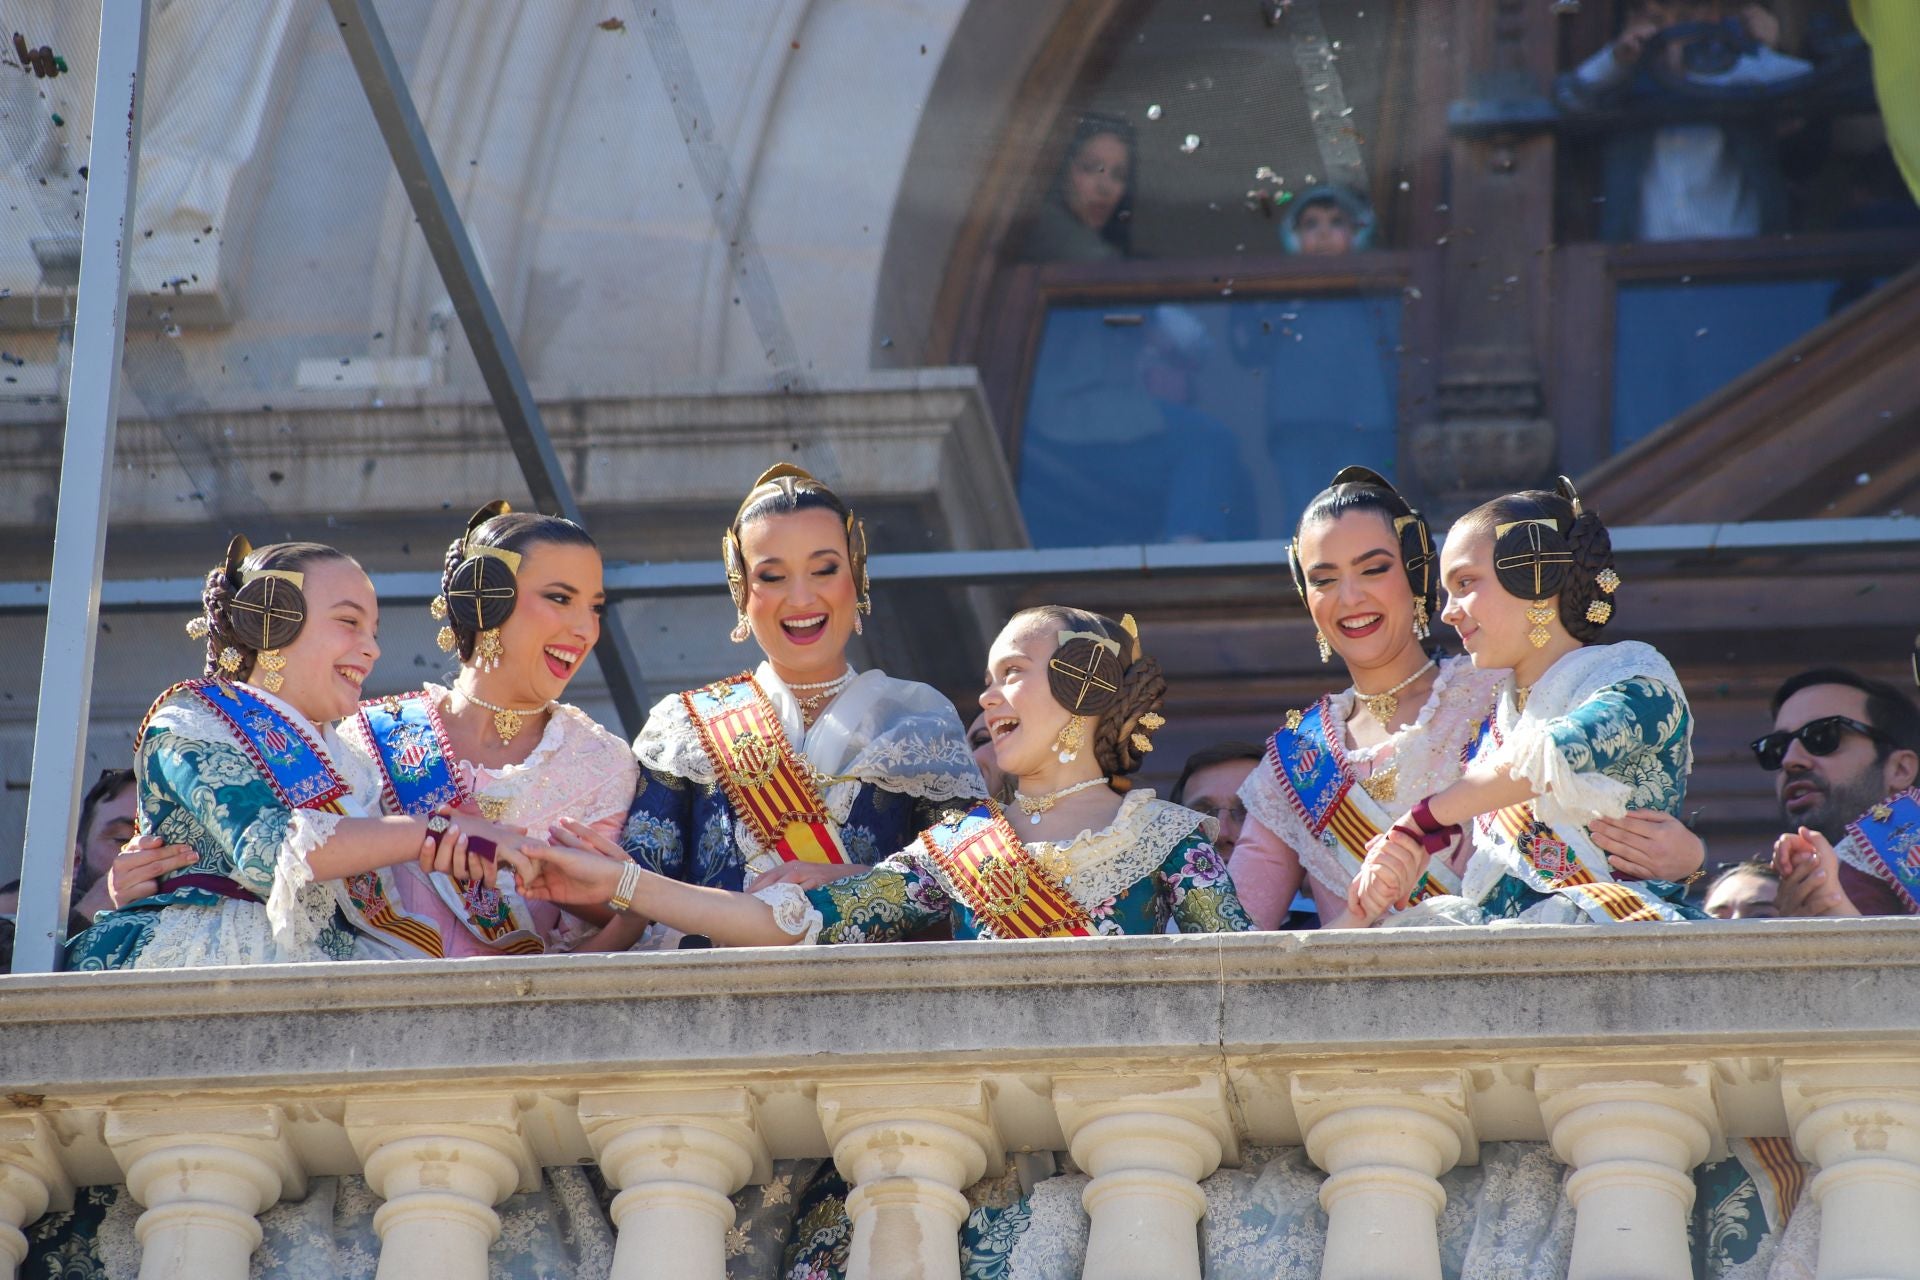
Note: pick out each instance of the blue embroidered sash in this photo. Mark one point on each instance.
(1890, 833)
(1312, 771)
(293, 764)
(415, 759)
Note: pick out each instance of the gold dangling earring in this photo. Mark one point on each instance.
(1421, 623)
(489, 649)
(1326, 650)
(271, 662)
(1539, 613)
(1072, 737)
(740, 631)
(859, 627)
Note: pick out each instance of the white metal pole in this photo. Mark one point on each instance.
(86, 471)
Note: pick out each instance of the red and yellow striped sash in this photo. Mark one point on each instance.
(1002, 884)
(771, 789)
(1557, 867)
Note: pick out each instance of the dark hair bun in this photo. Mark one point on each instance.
(481, 593)
(267, 612)
(1143, 692)
(1592, 548)
(1531, 558)
(1085, 677)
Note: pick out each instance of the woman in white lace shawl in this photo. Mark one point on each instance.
(1363, 562)
(883, 758)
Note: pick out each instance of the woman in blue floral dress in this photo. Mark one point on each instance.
(878, 759)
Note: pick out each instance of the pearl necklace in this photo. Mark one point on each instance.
(1381, 706)
(825, 692)
(506, 721)
(1034, 806)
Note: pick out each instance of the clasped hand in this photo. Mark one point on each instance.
(1394, 864)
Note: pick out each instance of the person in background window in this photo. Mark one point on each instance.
(1116, 452)
(1087, 212)
(1328, 222)
(1698, 180)
(1744, 891)
(106, 823)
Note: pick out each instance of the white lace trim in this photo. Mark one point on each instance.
(1054, 1244)
(298, 909)
(793, 911)
(189, 936)
(1428, 761)
(898, 735)
(1568, 797)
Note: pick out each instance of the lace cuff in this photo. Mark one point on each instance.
(1566, 795)
(297, 909)
(793, 911)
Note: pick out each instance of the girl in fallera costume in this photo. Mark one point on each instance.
(1072, 704)
(241, 771)
(1335, 772)
(521, 598)
(1582, 731)
(800, 771)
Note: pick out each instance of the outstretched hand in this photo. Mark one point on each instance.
(580, 867)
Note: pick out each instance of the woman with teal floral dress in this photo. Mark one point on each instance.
(1581, 732)
(1072, 703)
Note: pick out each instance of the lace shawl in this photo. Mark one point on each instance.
(298, 911)
(1566, 796)
(1428, 752)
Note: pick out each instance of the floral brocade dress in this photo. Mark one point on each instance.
(252, 787)
(1605, 730)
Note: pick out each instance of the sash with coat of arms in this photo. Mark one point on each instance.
(417, 776)
(1561, 859)
(291, 763)
(1889, 834)
(771, 788)
(1310, 766)
(1006, 888)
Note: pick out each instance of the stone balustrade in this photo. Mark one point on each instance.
(1390, 1056)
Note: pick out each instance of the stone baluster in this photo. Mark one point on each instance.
(204, 1176)
(677, 1155)
(441, 1164)
(32, 1182)
(908, 1148)
(1860, 1123)
(1147, 1141)
(1384, 1138)
(1633, 1134)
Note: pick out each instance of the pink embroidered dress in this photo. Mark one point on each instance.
(577, 770)
(1315, 796)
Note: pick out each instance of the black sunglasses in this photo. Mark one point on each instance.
(1820, 737)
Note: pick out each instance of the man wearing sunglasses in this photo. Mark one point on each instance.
(1841, 743)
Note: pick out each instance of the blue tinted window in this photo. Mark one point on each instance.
(1677, 344)
(1203, 421)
